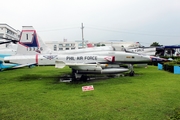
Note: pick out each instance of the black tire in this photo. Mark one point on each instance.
(131, 73)
(84, 78)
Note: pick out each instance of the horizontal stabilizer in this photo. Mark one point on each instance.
(24, 65)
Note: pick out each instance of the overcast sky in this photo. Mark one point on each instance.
(145, 21)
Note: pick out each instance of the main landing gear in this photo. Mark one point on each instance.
(79, 77)
(75, 77)
(131, 73)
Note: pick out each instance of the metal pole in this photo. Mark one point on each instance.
(82, 27)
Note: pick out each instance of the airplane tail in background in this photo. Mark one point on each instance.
(30, 43)
(89, 45)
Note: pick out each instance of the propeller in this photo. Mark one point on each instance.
(8, 40)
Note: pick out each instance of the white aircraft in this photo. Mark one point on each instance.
(132, 47)
(9, 50)
(143, 50)
(8, 46)
(32, 51)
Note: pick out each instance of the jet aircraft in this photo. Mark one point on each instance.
(134, 47)
(106, 60)
(143, 50)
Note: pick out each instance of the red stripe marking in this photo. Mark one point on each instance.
(113, 58)
(37, 59)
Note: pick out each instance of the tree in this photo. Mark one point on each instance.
(98, 45)
(103, 45)
(155, 44)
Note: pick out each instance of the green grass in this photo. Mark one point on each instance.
(36, 94)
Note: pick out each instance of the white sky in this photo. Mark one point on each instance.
(144, 21)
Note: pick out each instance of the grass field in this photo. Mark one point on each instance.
(36, 93)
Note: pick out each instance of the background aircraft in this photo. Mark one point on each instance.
(133, 47)
(143, 50)
(8, 46)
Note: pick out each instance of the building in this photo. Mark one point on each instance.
(62, 45)
(65, 45)
(80, 44)
(7, 31)
(119, 43)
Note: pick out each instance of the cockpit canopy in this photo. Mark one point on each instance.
(119, 48)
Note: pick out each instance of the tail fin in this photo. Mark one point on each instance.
(89, 45)
(30, 42)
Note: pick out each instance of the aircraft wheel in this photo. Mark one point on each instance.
(131, 73)
(30, 66)
(84, 78)
(73, 75)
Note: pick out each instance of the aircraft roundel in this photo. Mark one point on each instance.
(110, 58)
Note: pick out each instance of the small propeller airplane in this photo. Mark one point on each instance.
(7, 50)
(98, 60)
(8, 40)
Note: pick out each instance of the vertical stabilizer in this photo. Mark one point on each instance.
(30, 43)
(89, 45)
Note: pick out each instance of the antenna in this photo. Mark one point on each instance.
(82, 27)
